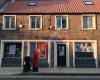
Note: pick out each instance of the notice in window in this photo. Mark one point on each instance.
(12, 49)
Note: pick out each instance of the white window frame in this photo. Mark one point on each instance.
(4, 28)
(94, 21)
(94, 47)
(61, 22)
(12, 41)
(30, 22)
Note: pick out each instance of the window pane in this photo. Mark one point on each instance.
(90, 22)
(7, 22)
(85, 22)
(84, 50)
(12, 50)
(64, 20)
(32, 22)
(58, 21)
(32, 47)
(12, 22)
(38, 22)
(18, 49)
(43, 46)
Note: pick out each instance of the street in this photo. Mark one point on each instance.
(49, 77)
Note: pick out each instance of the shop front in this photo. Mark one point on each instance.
(11, 55)
(61, 54)
(85, 54)
(53, 53)
(43, 46)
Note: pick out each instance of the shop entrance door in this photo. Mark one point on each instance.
(61, 55)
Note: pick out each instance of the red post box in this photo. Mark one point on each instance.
(35, 60)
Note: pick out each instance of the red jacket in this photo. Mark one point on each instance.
(35, 58)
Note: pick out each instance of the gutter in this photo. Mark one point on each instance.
(11, 13)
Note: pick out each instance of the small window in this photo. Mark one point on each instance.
(9, 22)
(88, 22)
(32, 3)
(88, 2)
(35, 22)
(61, 22)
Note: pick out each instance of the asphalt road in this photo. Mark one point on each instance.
(49, 77)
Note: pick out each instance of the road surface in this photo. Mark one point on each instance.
(49, 77)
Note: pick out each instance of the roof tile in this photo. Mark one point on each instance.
(53, 6)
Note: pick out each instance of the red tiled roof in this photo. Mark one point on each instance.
(53, 6)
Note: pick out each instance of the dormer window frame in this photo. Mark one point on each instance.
(32, 3)
(88, 2)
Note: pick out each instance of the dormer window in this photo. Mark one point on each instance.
(88, 2)
(32, 3)
(12, 1)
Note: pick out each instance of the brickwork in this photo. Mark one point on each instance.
(74, 32)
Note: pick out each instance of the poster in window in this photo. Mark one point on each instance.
(42, 55)
(43, 46)
(12, 49)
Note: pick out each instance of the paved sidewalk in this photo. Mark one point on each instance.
(51, 71)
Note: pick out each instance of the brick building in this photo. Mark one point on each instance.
(67, 30)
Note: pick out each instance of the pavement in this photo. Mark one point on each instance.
(51, 71)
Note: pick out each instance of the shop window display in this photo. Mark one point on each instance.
(12, 50)
(84, 50)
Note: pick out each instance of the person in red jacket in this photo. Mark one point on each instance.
(35, 60)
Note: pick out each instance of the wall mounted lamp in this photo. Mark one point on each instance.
(20, 26)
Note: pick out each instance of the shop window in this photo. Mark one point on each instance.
(84, 50)
(43, 46)
(12, 50)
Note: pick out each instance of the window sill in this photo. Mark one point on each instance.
(9, 29)
(61, 29)
(35, 29)
(89, 29)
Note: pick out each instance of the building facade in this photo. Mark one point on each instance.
(69, 35)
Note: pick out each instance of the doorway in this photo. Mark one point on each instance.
(61, 55)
